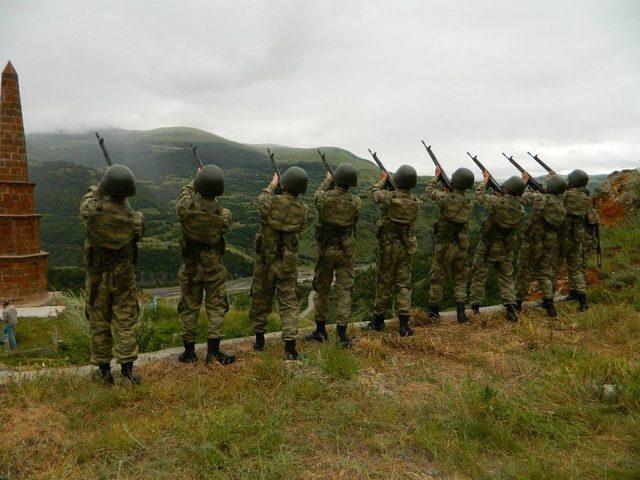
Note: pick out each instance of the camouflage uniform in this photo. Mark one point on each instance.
(578, 204)
(396, 246)
(204, 222)
(539, 242)
(495, 248)
(282, 218)
(339, 212)
(451, 234)
(110, 254)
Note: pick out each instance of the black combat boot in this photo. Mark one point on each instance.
(547, 304)
(189, 354)
(519, 303)
(512, 312)
(475, 308)
(127, 373)
(573, 295)
(319, 334)
(104, 375)
(434, 312)
(214, 353)
(258, 346)
(462, 316)
(582, 302)
(343, 340)
(404, 329)
(290, 352)
(376, 323)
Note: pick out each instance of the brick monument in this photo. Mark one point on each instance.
(22, 264)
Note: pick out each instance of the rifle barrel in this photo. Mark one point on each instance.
(549, 170)
(194, 150)
(105, 153)
(383, 169)
(444, 179)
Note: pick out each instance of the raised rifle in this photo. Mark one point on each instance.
(327, 167)
(595, 228)
(276, 169)
(107, 158)
(444, 179)
(549, 170)
(492, 181)
(381, 167)
(532, 181)
(194, 150)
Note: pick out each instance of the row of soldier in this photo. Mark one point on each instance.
(114, 229)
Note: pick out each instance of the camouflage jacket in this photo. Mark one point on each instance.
(204, 222)
(505, 214)
(113, 230)
(338, 211)
(547, 214)
(282, 219)
(399, 211)
(455, 208)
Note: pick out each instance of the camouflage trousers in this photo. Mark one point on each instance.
(576, 264)
(448, 257)
(112, 311)
(333, 260)
(275, 279)
(393, 269)
(499, 256)
(534, 262)
(196, 287)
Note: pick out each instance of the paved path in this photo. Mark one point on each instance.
(39, 312)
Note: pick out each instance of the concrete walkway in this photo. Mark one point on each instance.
(39, 312)
(84, 370)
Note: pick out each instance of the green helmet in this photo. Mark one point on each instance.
(295, 179)
(514, 185)
(118, 181)
(346, 174)
(462, 178)
(209, 181)
(556, 184)
(578, 178)
(405, 177)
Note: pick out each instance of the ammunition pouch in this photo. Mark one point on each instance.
(446, 231)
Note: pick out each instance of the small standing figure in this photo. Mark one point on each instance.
(451, 234)
(275, 272)
(540, 241)
(339, 211)
(202, 275)
(574, 235)
(110, 254)
(397, 245)
(495, 248)
(9, 320)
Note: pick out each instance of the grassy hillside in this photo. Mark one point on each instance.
(540, 399)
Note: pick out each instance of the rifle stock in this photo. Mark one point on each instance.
(444, 179)
(532, 181)
(383, 169)
(495, 186)
(107, 158)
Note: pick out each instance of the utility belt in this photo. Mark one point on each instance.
(448, 231)
(332, 235)
(104, 260)
(395, 229)
(193, 250)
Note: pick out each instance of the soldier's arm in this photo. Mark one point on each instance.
(89, 202)
(433, 192)
(226, 218)
(139, 225)
(593, 216)
(187, 194)
(377, 193)
(484, 198)
(322, 189)
(265, 197)
(358, 204)
(536, 199)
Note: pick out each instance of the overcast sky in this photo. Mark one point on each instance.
(561, 78)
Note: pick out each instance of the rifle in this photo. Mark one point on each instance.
(276, 169)
(446, 183)
(104, 149)
(327, 167)
(532, 181)
(492, 181)
(381, 167)
(595, 229)
(194, 150)
(549, 170)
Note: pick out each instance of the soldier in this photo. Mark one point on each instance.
(338, 212)
(578, 204)
(204, 222)
(397, 244)
(495, 248)
(110, 254)
(540, 240)
(282, 219)
(451, 234)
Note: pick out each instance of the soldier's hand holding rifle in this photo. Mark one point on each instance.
(383, 176)
(274, 181)
(525, 177)
(438, 172)
(485, 177)
(329, 176)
